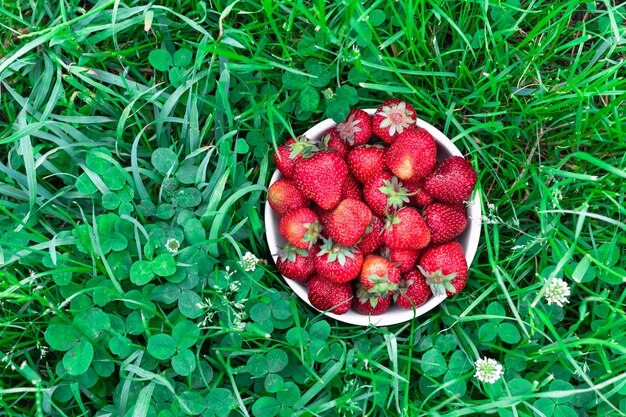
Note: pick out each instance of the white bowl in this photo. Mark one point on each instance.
(469, 239)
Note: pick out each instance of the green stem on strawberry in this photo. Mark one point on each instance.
(438, 282)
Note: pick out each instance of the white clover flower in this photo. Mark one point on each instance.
(31, 273)
(172, 245)
(557, 292)
(488, 370)
(250, 261)
(235, 285)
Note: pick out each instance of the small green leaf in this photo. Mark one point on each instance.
(488, 332)
(320, 330)
(164, 160)
(520, 386)
(495, 309)
(164, 265)
(188, 197)
(110, 201)
(192, 403)
(433, 363)
(141, 272)
(260, 312)
(321, 73)
(257, 365)
(93, 322)
(161, 346)
(190, 304)
(77, 360)
(241, 146)
(166, 293)
(165, 211)
(186, 334)
(220, 401)
(84, 185)
(266, 407)
(120, 346)
(194, 232)
(293, 81)
(338, 110)
(276, 360)
(61, 337)
(273, 383)
(160, 59)
(508, 333)
(182, 57)
(289, 395)
(376, 17)
(309, 99)
(184, 362)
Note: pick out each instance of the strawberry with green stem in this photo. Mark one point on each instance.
(338, 263)
(357, 129)
(292, 151)
(406, 229)
(385, 194)
(392, 118)
(297, 264)
(379, 275)
(412, 156)
(331, 141)
(300, 227)
(368, 303)
(404, 259)
(372, 239)
(445, 268)
(413, 291)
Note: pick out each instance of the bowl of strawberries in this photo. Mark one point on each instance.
(373, 220)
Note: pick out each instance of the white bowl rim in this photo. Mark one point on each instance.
(395, 314)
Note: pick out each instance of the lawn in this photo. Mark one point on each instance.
(137, 144)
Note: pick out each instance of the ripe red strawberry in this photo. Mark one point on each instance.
(292, 151)
(284, 196)
(406, 230)
(452, 180)
(321, 178)
(351, 189)
(445, 221)
(366, 162)
(379, 275)
(417, 195)
(372, 239)
(393, 117)
(369, 304)
(445, 268)
(348, 221)
(325, 294)
(384, 194)
(412, 156)
(297, 264)
(331, 141)
(338, 263)
(300, 227)
(357, 129)
(404, 259)
(413, 291)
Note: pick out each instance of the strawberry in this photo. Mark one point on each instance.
(445, 268)
(417, 195)
(372, 239)
(348, 221)
(452, 180)
(321, 178)
(325, 294)
(413, 291)
(284, 196)
(351, 189)
(406, 230)
(292, 151)
(412, 156)
(384, 194)
(338, 263)
(294, 263)
(404, 259)
(300, 227)
(379, 275)
(357, 129)
(392, 118)
(445, 221)
(331, 141)
(368, 303)
(366, 162)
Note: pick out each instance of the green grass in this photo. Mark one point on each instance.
(108, 151)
